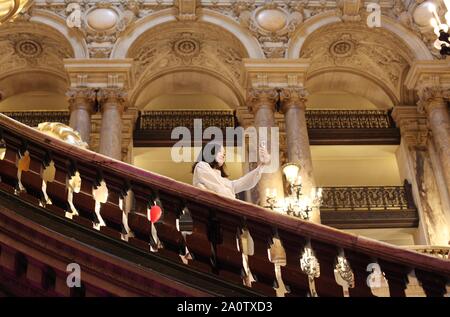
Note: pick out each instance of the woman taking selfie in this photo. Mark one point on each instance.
(209, 172)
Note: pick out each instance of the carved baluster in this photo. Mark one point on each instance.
(343, 273)
(311, 267)
(2, 146)
(414, 287)
(156, 205)
(377, 281)
(277, 255)
(123, 196)
(396, 275)
(359, 267)
(433, 284)
(73, 185)
(246, 246)
(100, 194)
(48, 172)
(214, 238)
(23, 165)
(185, 225)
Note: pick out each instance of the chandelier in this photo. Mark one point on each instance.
(9, 9)
(441, 29)
(295, 204)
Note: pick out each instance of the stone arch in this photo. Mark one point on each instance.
(415, 45)
(198, 48)
(31, 60)
(375, 55)
(146, 24)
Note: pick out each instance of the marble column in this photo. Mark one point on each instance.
(434, 100)
(262, 103)
(112, 103)
(298, 150)
(81, 107)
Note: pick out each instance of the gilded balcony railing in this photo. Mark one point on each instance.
(349, 119)
(233, 243)
(33, 118)
(368, 198)
(316, 119)
(168, 120)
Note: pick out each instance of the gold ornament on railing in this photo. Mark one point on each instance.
(10, 9)
(343, 274)
(62, 132)
(311, 267)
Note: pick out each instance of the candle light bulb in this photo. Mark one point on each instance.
(447, 17)
(436, 16)
(433, 22)
(319, 192)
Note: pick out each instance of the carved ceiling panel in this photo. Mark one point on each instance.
(354, 47)
(188, 45)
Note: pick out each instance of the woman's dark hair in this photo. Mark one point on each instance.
(208, 155)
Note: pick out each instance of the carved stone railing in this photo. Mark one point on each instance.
(33, 118)
(442, 252)
(349, 119)
(199, 230)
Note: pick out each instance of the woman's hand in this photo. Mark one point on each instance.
(264, 156)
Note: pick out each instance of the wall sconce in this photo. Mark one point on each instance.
(295, 204)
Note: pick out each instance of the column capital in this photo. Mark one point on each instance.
(262, 98)
(81, 98)
(413, 126)
(294, 97)
(112, 97)
(432, 97)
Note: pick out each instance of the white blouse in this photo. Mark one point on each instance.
(209, 178)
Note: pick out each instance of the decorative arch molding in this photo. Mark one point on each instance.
(408, 38)
(308, 27)
(75, 38)
(201, 81)
(354, 82)
(135, 31)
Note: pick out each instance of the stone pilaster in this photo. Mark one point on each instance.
(81, 106)
(434, 100)
(298, 149)
(415, 158)
(261, 102)
(112, 104)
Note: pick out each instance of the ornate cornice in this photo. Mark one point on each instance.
(432, 97)
(413, 126)
(293, 98)
(81, 98)
(261, 98)
(112, 97)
